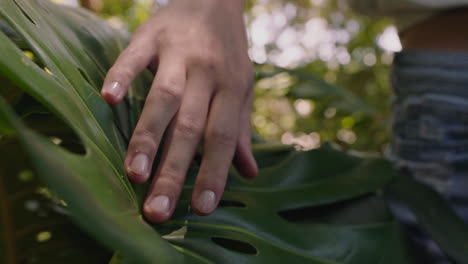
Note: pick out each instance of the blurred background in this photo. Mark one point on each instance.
(322, 70)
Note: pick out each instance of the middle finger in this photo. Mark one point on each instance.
(184, 136)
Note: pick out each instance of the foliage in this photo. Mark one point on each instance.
(34, 227)
(318, 206)
(95, 192)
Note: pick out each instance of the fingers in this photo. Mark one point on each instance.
(160, 107)
(244, 160)
(183, 139)
(220, 143)
(132, 61)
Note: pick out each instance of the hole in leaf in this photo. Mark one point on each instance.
(228, 203)
(235, 245)
(43, 236)
(55, 140)
(24, 13)
(24, 46)
(62, 135)
(362, 210)
(34, 58)
(48, 71)
(25, 175)
(176, 234)
(84, 75)
(41, 120)
(29, 54)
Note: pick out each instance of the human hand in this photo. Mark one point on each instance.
(203, 88)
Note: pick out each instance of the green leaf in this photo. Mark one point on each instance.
(320, 206)
(434, 214)
(96, 197)
(310, 207)
(34, 227)
(77, 48)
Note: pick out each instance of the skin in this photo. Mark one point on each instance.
(203, 89)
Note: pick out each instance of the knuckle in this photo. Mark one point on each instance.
(131, 50)
(147, 137)
(167, 39)
(209, 59)
(168, 177)
(135, 53)
(222, 137)
(169, 92)
(217, 179)
(121, 73)
(189, 128)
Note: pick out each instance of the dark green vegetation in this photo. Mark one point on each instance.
(319, 206)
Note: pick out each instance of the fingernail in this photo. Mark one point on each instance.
(114, 89)
(159, 204)
(206, 201)
(139, 164)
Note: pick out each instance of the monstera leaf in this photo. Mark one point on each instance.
(35, 228)
(308, 207)
(303, 209)
(72, 51)
(320, 206)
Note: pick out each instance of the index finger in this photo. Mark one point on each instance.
(132, 61)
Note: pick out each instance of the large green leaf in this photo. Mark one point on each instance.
(309, 207)
(434, 214)
(286, 214)
(320, 206)
(75, 49)
(33, 227)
